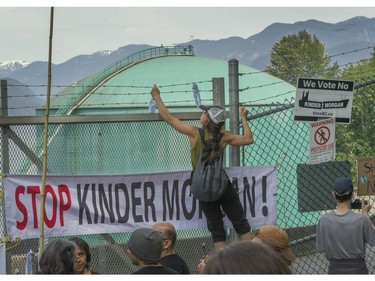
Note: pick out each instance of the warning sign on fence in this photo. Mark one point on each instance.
(322, 141)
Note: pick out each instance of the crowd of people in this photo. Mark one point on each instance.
(152, 251)
(341, 234)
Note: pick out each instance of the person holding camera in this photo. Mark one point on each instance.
(342, 233)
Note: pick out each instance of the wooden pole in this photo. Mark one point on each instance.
(42, 192)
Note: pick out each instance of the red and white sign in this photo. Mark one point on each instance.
(322, 141)
(109, 204)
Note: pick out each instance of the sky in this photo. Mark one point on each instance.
(79, 29)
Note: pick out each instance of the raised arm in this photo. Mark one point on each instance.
(189, 130)
(239, 140)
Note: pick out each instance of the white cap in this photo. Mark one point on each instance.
(217, 114)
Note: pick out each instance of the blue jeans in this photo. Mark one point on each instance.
(231, 205)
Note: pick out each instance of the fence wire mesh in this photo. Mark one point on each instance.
(303, 192)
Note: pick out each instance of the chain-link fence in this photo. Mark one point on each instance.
(303, 192)
(93, 149)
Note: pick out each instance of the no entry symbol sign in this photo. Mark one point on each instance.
(322, 141)
(322, 135)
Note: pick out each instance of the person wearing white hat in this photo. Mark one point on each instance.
(212, 121)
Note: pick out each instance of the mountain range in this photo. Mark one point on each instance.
(346, 42)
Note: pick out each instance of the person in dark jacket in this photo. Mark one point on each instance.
(144, 249)
(169, 257)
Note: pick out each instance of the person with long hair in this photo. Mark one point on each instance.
(57, 258)
(213, 120)
(246, 257)
(82, 256)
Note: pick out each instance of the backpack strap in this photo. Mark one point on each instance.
(201, 133)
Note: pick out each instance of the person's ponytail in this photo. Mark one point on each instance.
(212, 151)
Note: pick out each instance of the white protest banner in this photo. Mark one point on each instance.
(108, 204)
(318, 99)
(322, 141)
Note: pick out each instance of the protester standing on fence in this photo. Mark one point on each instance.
(246, 257)
(213, 120)
(82, 256)
(277, 239)
(57, 258)
(144, 250)
(169, 257)
(342, 233)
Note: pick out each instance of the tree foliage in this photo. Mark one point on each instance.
(357, 138)
(301, 55)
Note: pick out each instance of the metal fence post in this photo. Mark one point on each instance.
(218, 94)
(4, 139)
(234, 151)
(4, 162)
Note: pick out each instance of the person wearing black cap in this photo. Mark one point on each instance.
(213, 120)
(342, 233)
(144, 249)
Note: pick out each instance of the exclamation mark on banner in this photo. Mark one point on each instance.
(264, 196)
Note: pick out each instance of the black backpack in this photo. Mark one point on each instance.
(208, 180)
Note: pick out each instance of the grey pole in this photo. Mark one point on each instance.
(4, 98)
(218, 94)
(4, 139)
(234, 151)
(4, 168)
